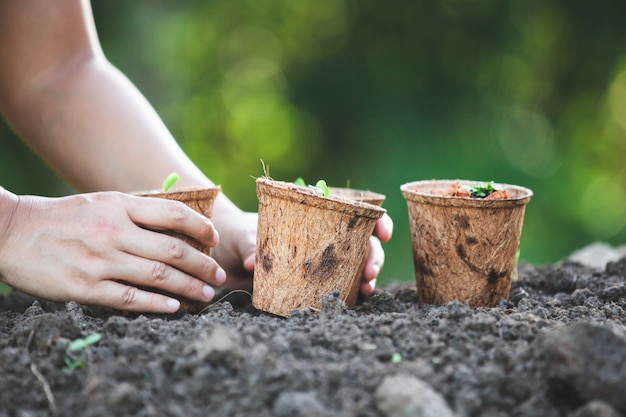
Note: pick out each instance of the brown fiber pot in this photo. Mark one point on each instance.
(307, 246)
(201, 200)
(464, 249)
(365, 196)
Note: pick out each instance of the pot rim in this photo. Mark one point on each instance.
(305, 195)
(420, 192)
(181, 192)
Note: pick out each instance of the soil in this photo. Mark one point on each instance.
(457, 189)
(557, 347)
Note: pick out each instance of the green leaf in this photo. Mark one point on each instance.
(482, 190)
(71, 365)
(93, 338)
(321, 184)
(79, 344)
(169, 181)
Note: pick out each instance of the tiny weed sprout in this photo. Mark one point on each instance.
(319, 185)
(77, 345)
(80, 345)
(169, 181)
(396, 357)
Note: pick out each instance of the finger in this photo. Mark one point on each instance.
(120, 296)
(367, 287)
(148, 274)
(162, 214)
(384, 228)
(170, 251)
(248, 264)
(375, 259)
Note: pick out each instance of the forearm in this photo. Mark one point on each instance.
(78, 112)
(99, 132)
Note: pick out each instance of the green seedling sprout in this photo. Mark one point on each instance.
(481, 190)
(319, 185)
(169, 181)
(79, 345)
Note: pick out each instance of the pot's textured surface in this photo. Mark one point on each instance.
(308, 246)
(365, 196)
(463, 248)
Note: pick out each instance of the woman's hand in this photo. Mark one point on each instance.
(236, 250)
(100, 248)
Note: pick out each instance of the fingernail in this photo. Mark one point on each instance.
(220, 276)
(208, 292)
(172, 304)
(216, 236)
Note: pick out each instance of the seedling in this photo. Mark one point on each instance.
(5, 289)
(169, 181)
(396, 357)
(80, 345)
(481, 190)
(320, 185)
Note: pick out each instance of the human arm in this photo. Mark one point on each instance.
(88, 248)
(90, 123)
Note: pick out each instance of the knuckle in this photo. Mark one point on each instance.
(158, 272)
(176, 248)
(207, 267)
(206, 229)
(178, 211)
(113, 197)
(129, 295)
(192, 287)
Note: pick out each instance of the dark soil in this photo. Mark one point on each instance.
(557, 347)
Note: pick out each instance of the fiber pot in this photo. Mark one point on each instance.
(201, 200)
(307, 246)
(365, 196)
(464, 248)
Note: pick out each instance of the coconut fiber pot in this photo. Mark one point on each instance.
(307, 246)
(464, 248)
(364, 196)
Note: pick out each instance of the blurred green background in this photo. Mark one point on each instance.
(376, 94)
